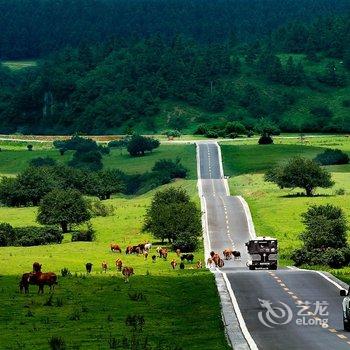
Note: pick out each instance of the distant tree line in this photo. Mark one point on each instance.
(119, 84)
(33, 28)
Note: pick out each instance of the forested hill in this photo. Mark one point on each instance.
(33, 28)
(298, 78)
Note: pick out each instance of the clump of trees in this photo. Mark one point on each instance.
(300, 172)
(28, 236)
(332, 157)
(63, 208)
(266, 128)
(324, 238)
(173, 216)
(138, 145)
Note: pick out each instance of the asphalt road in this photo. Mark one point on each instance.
(301, 301)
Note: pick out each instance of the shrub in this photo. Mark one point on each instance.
(84, 236)
(40, 161)
(201, 130)
(138, 145)
(332, 156)
(334, 258)
(57, 343)
(211, 134)
(7, 234)
(174, 169)
(30, 147)
(65, 272)
(340, 191)
(186, 244)
(265, 140)
(98, 208)
(32, 235)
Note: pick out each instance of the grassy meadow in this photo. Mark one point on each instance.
(89, 312)
(277, 212)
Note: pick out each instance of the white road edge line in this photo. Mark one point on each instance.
(222, 170)
(248, 216)
(328, 279)
(239, 315)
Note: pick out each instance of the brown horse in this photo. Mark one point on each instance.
(127, 272)
(41, 279)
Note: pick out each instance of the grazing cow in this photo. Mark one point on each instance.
(182, 265)
(128, 249)
(145, 254)
(227, 254)
(36, 267)
(158, 249)
(236, 254)
(216, 258)
(163, 253)
(210, 262)
(173, 264)
(199, 264)
(104, 266)
(148, 246)
(221, 263)
(141, 246)
(188, 257)
(118, 264)
(136, 249)
(154, 258)
(178, 252)
(115, 248)
(43, 278)
(127, 272)
(88, 267)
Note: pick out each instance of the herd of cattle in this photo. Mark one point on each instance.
(39, 278)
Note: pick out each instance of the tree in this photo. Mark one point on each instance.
(40, 161)
(300, 172)
(173, 216)
(7, 234)
(325, 227)
(266, 128)
(170, 168)
(63, 208)
(332, 156)
(105, 183)
(90, 160)
(138, 145)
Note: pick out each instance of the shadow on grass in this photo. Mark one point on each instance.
(303, 195)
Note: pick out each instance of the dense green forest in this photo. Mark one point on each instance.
(297, 76)
(32, 28)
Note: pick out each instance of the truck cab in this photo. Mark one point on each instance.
(346, 309)
(263, 253)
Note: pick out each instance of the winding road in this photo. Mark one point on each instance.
(283, 309)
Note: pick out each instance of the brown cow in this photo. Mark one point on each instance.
(36, 267)
(210, 262)
(41, 279)
(227, 254)
(173, 264)
(119, 264)
(128, 249)
(115, 248)
(24, 282)
(216, 258)
(104, 266)
(163, 253)
(127, 272)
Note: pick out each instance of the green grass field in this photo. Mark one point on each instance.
(277, 212)
(89, 312)
(14, 158)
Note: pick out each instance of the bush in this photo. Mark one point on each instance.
(211, 134)
(333, 258)
(65, 272)
(201, 130)
(57, 343)
(138, 145)
(7, 234)
(33, 235)
(331, 157)
(30, 147)
(98, 208)
(186, 245)
(265, 140)
(84, 236)
(173, 169)
(40, 161)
